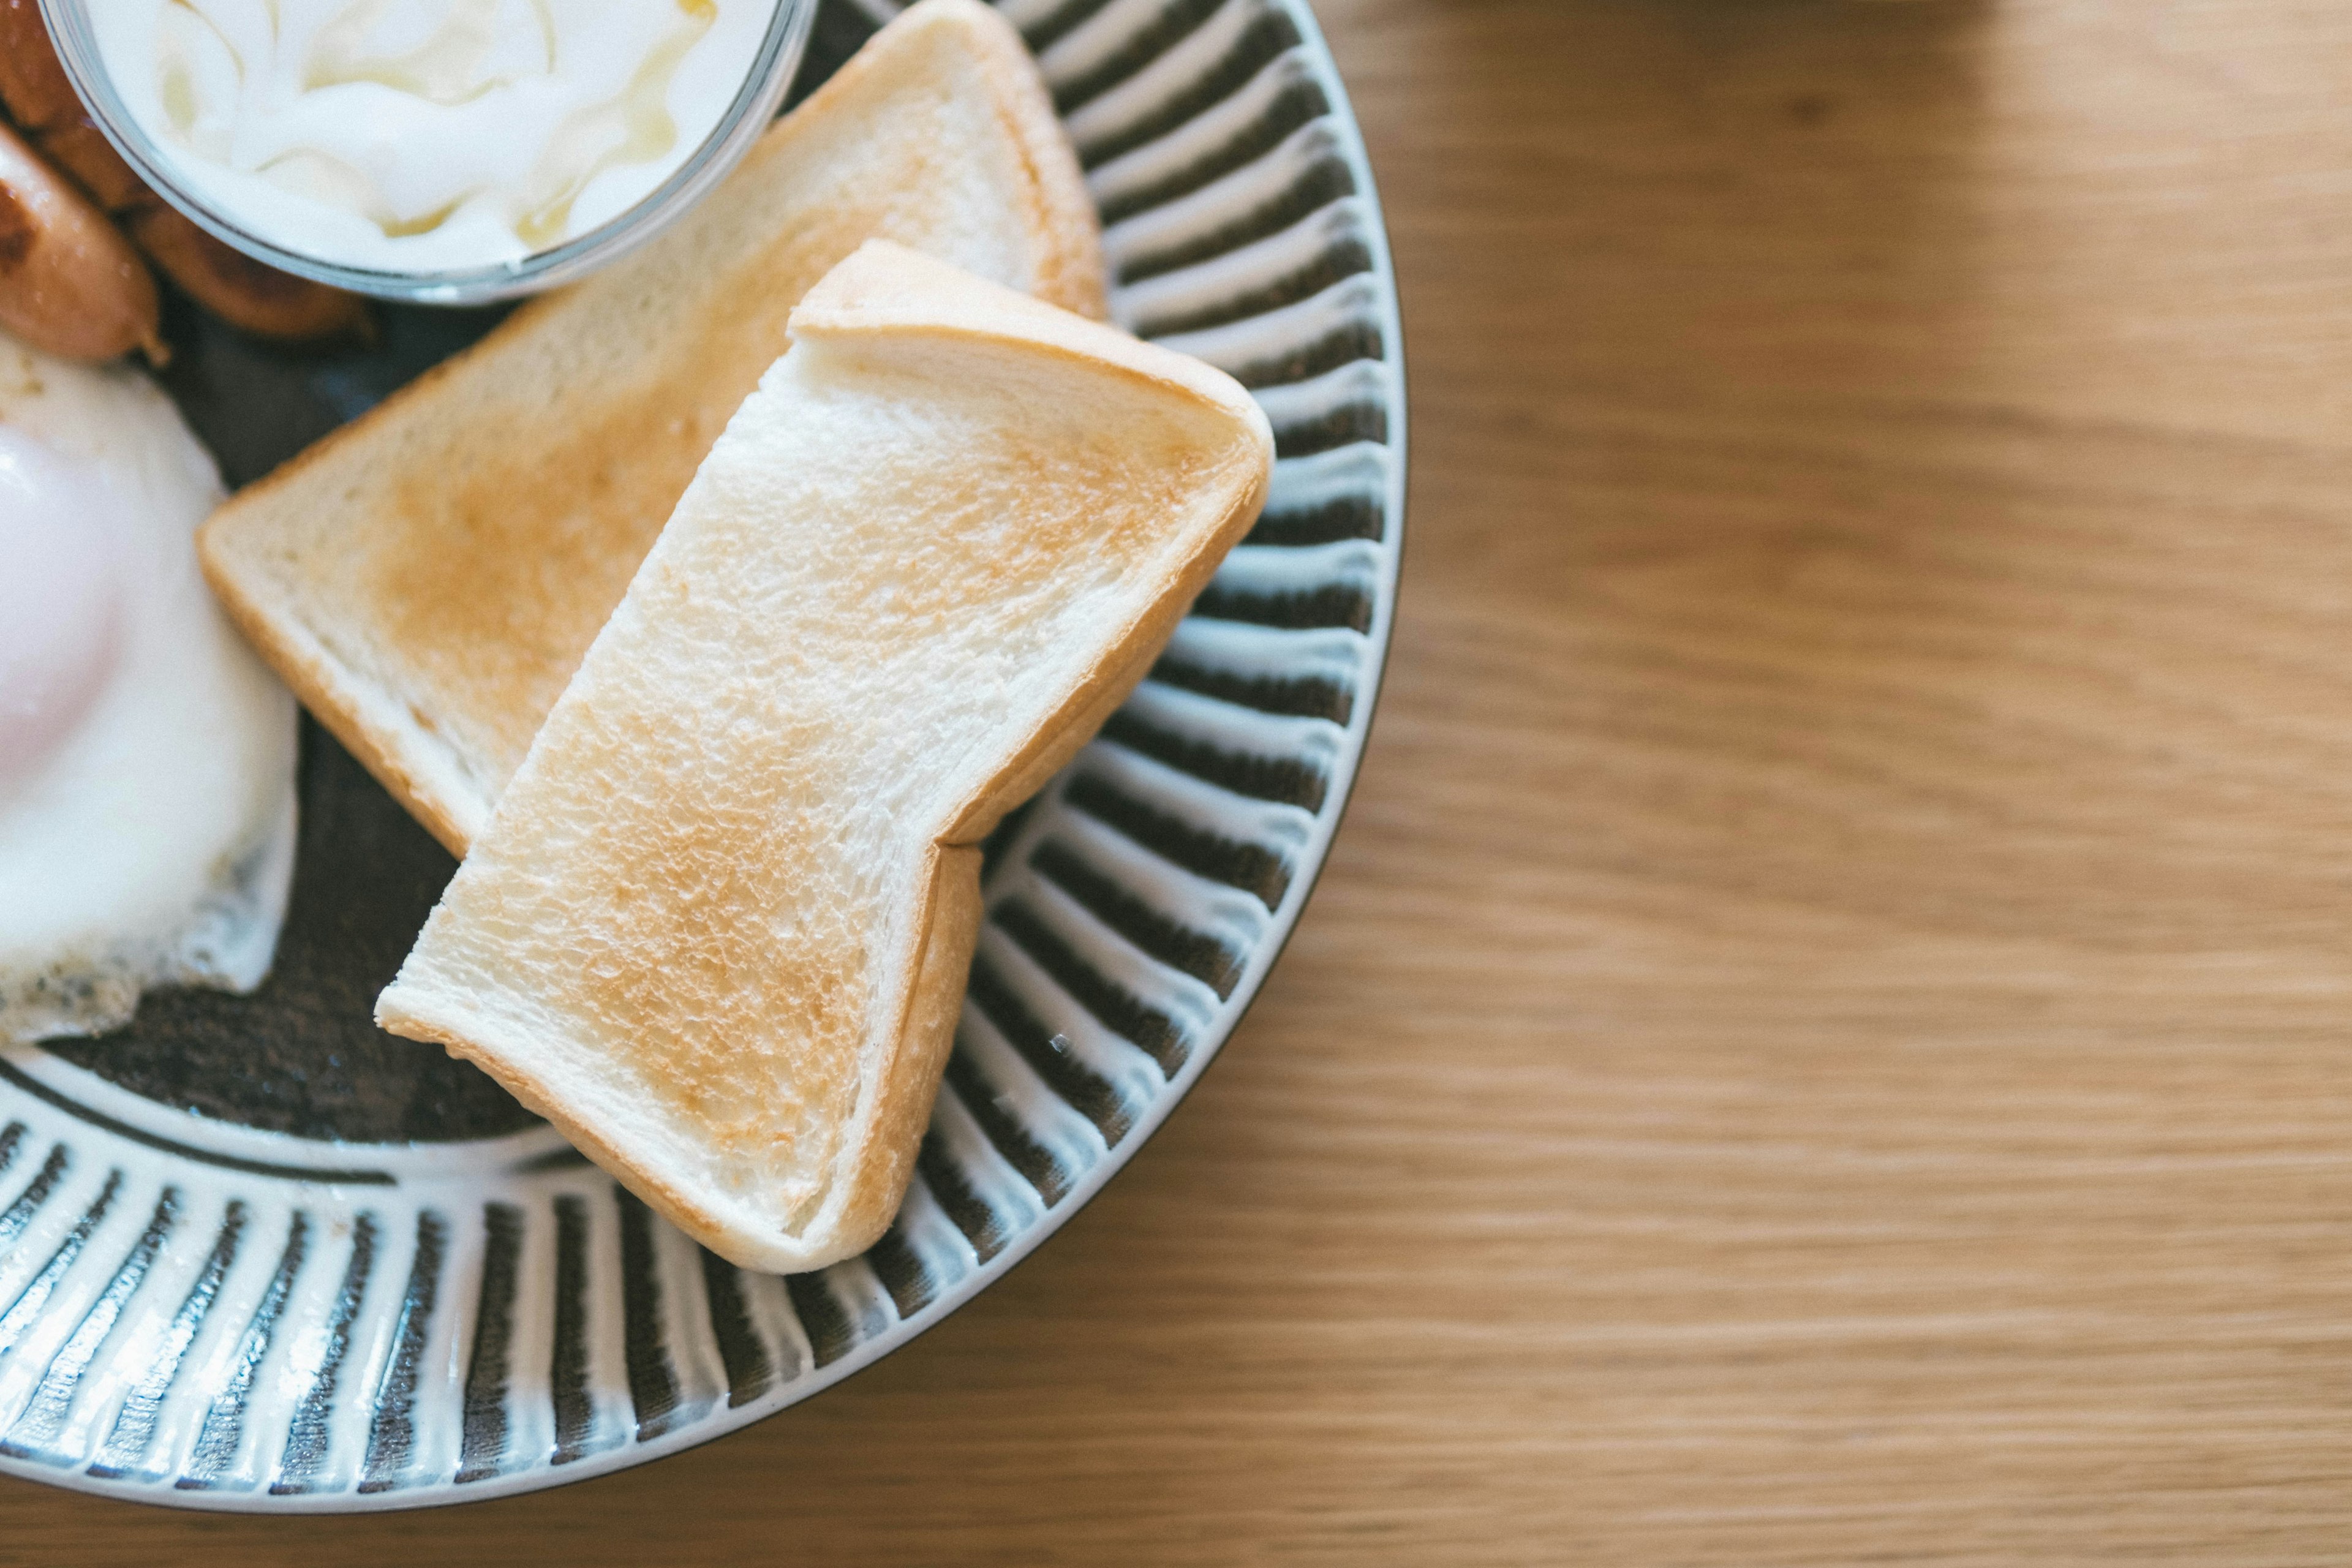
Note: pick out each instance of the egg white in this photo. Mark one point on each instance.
(153, 843)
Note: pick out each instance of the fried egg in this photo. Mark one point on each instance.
(146, 756)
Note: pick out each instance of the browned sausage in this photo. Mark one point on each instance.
(82, 150)
(247, 295)
(69, 282)
(32, 79)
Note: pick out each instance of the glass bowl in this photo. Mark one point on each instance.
(754, 106)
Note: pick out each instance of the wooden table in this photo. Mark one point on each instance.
(1825, 1037)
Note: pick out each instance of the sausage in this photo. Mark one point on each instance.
(69, 282)
(246, 294)
(251, 296)
(33, 81)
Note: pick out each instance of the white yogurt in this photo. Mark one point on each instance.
(426, 136)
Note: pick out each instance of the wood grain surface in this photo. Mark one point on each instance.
(1825, 1037)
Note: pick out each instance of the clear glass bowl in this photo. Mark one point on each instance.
(755, 103)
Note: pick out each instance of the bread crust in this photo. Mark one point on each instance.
(1070, 270)
(887, 274)
(317, 682)
(883, 292)
(859, 1206)
(351, 652)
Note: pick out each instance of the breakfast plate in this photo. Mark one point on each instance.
(257, 1255)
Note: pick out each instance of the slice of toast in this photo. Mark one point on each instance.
(716, 928)
(427, 578)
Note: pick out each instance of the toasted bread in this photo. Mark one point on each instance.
(717, 928)
(427, 578)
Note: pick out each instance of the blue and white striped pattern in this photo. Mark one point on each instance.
(224, 1318)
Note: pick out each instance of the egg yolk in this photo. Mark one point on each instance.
(61, 630)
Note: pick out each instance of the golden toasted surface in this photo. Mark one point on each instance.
(720, 916)
(450, 558)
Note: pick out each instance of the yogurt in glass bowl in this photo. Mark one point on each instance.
(446, 151)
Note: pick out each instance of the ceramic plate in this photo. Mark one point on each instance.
(254, 1254)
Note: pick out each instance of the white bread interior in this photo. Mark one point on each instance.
(717, 927)
(427, 578)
